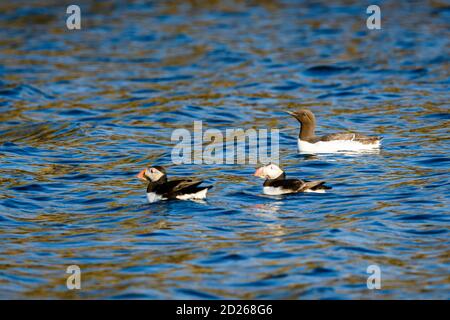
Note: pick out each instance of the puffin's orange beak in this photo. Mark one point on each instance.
(258, 172)
(141, 175)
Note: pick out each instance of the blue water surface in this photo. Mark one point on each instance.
(83, 111)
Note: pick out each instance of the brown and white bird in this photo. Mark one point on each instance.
(308, 142)
(159, 188)
(276, 182)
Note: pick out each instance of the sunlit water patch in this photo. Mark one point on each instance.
(83, 111)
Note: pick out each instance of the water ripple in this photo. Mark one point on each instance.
(82, 112)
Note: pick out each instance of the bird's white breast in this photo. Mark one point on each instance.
(335, 146)
(272, 191)
(315, 191)
(153, 197)
(191, 196)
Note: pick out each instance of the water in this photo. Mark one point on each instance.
(83, 111)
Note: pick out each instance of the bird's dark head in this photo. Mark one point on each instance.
(152, 174)
(304, 116)
(270, 171)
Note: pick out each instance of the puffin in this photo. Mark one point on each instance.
(159, 188)
(277, 184)
(308, 142)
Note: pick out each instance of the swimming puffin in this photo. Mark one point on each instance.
(308, 142)
(276, 182)
(160, 189)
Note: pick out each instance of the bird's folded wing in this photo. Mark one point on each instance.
(289, 184)
(309, 185)
(178, 185)
(349, 137)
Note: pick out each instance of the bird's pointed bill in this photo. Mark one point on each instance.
(259, 172)
(141, 175)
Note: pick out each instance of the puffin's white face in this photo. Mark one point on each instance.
(151, 174)
(271, 171)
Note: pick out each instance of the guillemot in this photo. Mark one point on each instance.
(276, 182)
(159, 188)
(308, 142)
